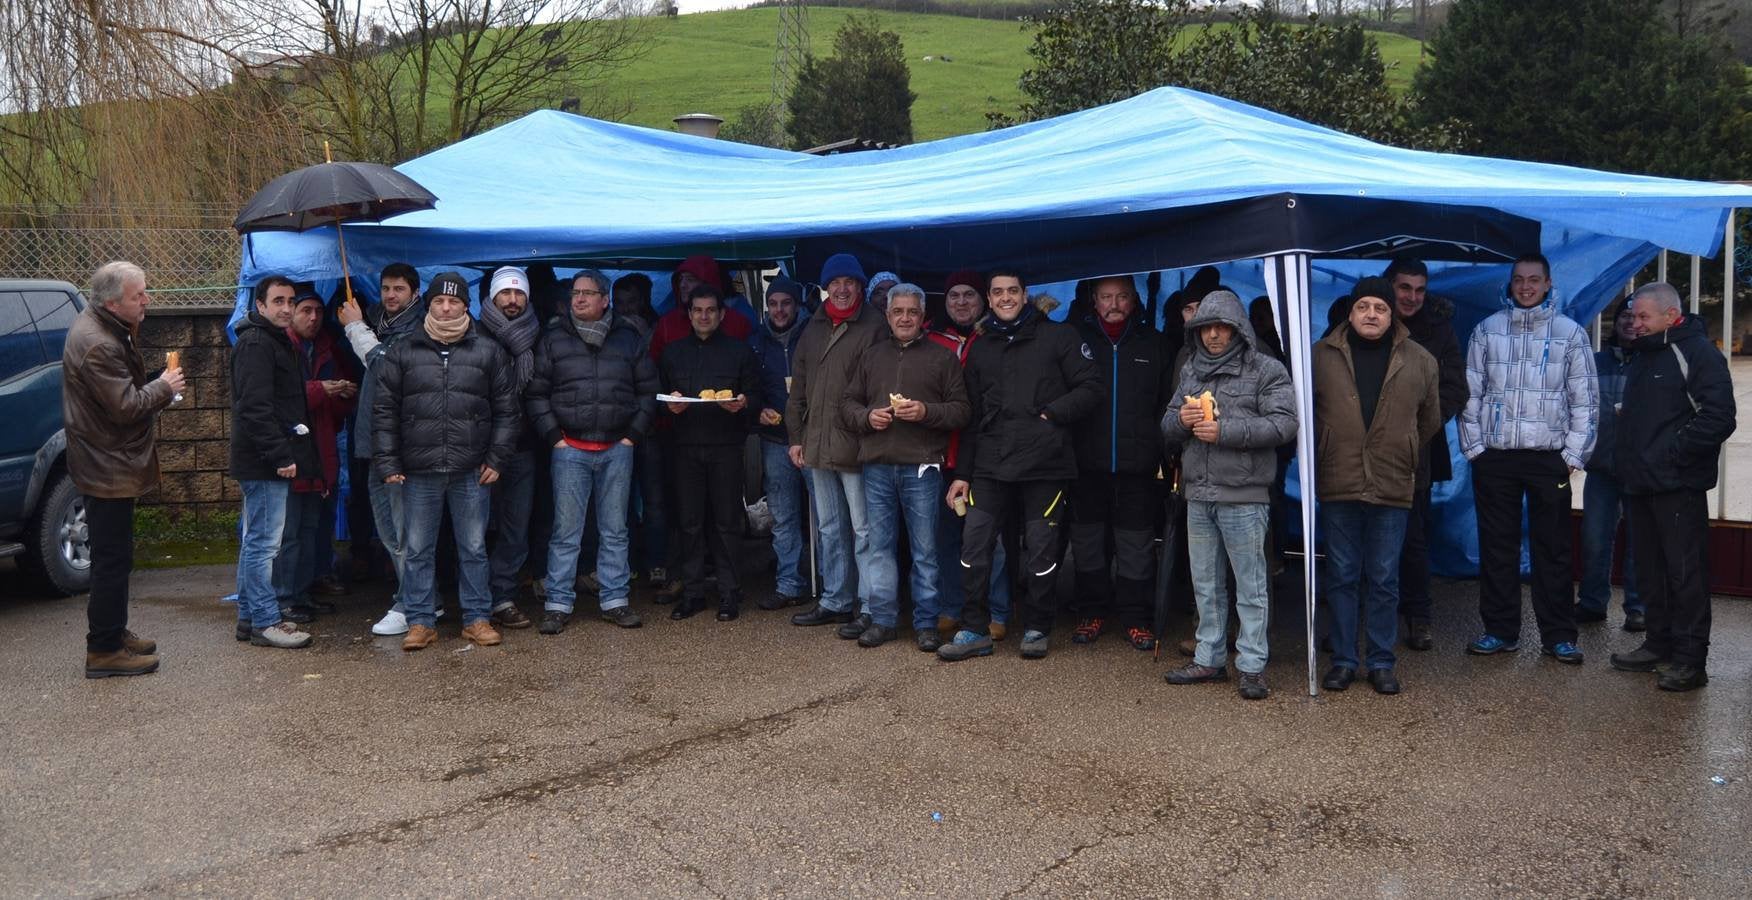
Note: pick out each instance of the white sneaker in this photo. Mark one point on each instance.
(285, 636)
(392, 623)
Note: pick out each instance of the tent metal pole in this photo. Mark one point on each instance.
(1661, 267)
(1728, 349)
(1696, 282)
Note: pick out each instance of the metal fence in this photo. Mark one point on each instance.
(187, 269)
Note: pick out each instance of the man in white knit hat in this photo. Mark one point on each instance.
(508, 319)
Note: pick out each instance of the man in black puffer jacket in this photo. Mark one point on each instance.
(270, 445)
(1119, 452)
(1430, 320)
(444, 423)
(592, 398)
(1678, 409)
(1029, 380)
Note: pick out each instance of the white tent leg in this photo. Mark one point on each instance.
(1287, 280)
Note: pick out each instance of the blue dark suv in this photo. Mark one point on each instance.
(42, 515)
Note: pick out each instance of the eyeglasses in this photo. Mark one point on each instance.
(586, 292)
(703, 311)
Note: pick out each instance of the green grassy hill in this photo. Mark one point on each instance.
(720, 62)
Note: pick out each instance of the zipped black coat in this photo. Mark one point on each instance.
(1043, 368)
(267, 405)
(601, 394)
(1123, 435)
(442, 409)
(1433, 329)
(1674, 418)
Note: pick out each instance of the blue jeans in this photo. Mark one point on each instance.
(424, 497)
(1602, 504)
(890, 492)
(1363, 541)
(1219, 537)
(386, 514)
(513, 495)
(785, 495)
(295, 566)
(264, 523)
(844, 538)
(950, 597)
(579, 474)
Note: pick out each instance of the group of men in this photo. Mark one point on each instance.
(983, 431)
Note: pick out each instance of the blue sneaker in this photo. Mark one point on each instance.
(1490, 644)
(1565, 651)
(966, 644)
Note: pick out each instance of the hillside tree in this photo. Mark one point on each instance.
(861, 91)
(1599, 83)
(1091, 52)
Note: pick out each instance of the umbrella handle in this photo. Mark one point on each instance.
(346, 277)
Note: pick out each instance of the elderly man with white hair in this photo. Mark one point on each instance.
(110, 408)
(1678, 409)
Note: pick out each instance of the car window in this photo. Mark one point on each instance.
(54, 313)
(20, 351)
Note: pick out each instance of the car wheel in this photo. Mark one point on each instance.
(58, 542)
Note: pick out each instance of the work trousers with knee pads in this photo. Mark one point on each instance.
(1036, 508)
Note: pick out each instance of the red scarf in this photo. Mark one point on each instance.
(1113, 329)
(836, 316)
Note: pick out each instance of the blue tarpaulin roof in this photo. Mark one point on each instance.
(1169, 178)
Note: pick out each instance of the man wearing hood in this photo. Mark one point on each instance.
(270, 446)
(1228, 461)
(827, 354)
(1377, 400)
(1678, 409)
(956, 329)
(507, 318)
(398, 315)
(1430, 320)
(1030, 380)
(673, 324)
(1527, 427)
(444, 423)
(774, 343)
(1119, 452)
(592, 397)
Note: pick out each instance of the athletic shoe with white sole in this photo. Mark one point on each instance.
(392, 623)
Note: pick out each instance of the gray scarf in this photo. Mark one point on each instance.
(517, 336)
(594, 333)
(1204, 363)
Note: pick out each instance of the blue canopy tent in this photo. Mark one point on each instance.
(1167, 179)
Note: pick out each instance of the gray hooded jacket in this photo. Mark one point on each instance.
(1256, 412)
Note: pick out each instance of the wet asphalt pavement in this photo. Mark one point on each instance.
(757, 758)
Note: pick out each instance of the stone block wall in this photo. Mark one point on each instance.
(194, 436)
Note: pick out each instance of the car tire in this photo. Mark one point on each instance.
(57, 556)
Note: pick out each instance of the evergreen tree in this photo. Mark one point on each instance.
(862, 91)
(1599, 83)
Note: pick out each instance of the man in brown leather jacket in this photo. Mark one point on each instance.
(110, 408)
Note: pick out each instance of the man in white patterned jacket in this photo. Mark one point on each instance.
(1528, 425)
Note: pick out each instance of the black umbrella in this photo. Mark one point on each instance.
(331, 193)
(1165, 566)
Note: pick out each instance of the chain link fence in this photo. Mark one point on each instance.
(187, 269)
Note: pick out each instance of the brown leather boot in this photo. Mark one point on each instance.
(481, 632)
(119, 662)
(138, 645)
(998, 631)
(419, 637)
